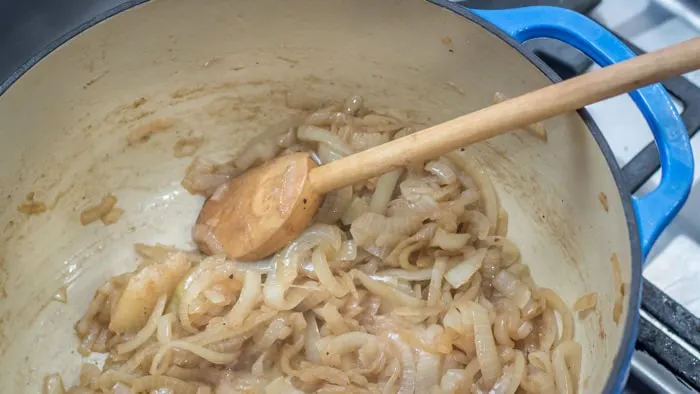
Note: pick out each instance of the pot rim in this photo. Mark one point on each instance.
(618, 376)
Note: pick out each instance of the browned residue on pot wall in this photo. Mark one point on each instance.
(619, 290)
(603, 198)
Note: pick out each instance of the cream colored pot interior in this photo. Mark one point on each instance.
(220, 69)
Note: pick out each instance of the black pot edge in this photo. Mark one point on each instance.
(55, 44)
(621, 365)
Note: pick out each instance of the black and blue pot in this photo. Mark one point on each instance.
(220, 68)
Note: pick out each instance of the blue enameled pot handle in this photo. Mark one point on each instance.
(655, 210)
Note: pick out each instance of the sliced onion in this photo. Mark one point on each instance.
(317, 134)
(542, 361)
(317, 373)
(89, 375)
(142, 291)
(147, 331)
(326, 154)
(386, 292)
(470, 372)
(448, 241)
(198, 280)
(277, 330)
(247, 300)
(312, 338)
(523, 330)
(486, 351)
(147, 384)
(403, 274)
(334, 205)
(288, 261)
(364, 140)
(586, 302)
(443, 170)
(53, 385)
(506, 354)
(334, 320)
(567, 319)
(323, 116)
(282, 385)
(325, 276)
(411, 338)
(378, 120)
(262, 266)
(510, 286)
(133, 363)
(203, 177)
(539, 382)
(428, 367)
(509, 253)
(489, 198)
(462, 272)
(453, 381)
(434, 289)
(413, 189)
(399, 255)
(404, 257)
(357, 208)
(416, 315)
(566, 361)
(289, 351)
(258, 368)
(384, 191)
(456, 316)
(164, 331)
(408, 365)
(547, 330)
(335, 346)
(366, 228)
(264, 146)
(121, 388)
(469, 197)
(500, 331)
(512, 376)
(479, 225)
(348, 251)
(209, 355)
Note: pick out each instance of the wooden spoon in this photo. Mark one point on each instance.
(266, 207)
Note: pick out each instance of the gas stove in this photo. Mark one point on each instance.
(667, 359)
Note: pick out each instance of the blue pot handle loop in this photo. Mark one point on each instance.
(655, 210)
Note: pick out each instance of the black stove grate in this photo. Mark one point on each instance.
(665, 314)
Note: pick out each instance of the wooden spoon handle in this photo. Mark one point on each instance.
(511, 114)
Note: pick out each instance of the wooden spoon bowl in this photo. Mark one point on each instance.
(260, 211)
